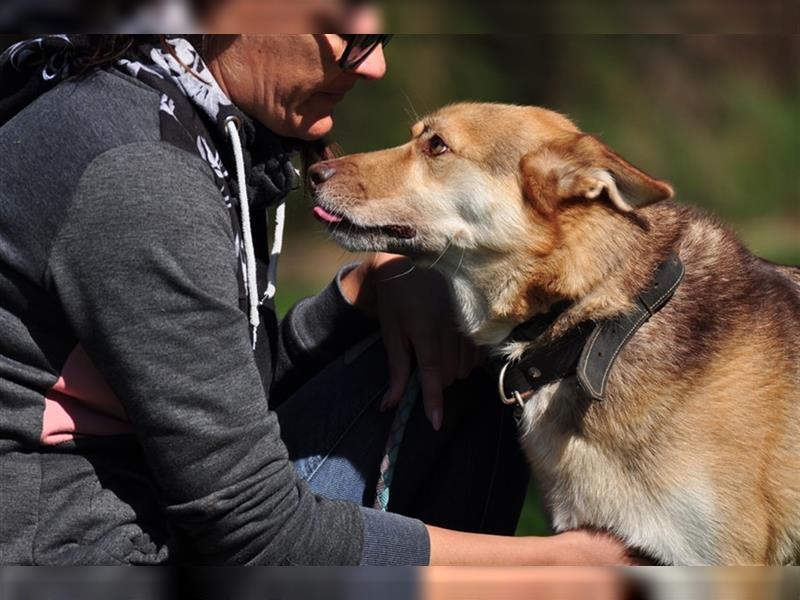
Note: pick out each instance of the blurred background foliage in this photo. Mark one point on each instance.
(715, 115)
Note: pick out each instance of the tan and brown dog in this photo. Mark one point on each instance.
(693, 452)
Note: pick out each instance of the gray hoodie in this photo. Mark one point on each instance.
(135, 422)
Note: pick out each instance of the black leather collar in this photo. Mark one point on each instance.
(589, 349)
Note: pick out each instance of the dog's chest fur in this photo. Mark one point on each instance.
(589, 484)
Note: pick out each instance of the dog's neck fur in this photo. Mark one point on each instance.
(599, 273)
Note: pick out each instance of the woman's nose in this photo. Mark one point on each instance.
(374, 67)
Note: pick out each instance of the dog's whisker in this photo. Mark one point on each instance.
(413, 114)
(460, 260)
(446, 248)
(399, 275)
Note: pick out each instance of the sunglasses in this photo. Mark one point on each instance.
(359, 47)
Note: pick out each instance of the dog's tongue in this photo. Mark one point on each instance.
(324, 215)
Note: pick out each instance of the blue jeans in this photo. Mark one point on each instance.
(470, 475)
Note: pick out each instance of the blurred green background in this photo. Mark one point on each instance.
(718, 116)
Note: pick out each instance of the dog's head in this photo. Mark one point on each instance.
(492, 194)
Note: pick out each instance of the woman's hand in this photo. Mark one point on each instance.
(589, 547)
(415, 313)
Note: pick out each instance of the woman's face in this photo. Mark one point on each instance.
(290, 83)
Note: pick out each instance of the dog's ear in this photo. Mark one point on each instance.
(584, 167)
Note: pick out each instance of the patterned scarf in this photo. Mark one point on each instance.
(193, 113)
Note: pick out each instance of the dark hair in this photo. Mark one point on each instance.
(103, 50)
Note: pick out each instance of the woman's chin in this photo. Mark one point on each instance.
(306, 126)
(310, 120)
(315, 129)
(314, 118)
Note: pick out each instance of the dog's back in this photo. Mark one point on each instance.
(694, 454)
(792, 273)
(740, 351)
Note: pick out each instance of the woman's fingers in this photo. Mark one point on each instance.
(398, 354)
(590, 547)
(416, 316)
(467, 358)
(428, 351)
(443, 355)
(451, 353)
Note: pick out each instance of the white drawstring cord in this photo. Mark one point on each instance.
(244, 207)
(275, 253)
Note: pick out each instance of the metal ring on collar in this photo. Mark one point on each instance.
(516, 396)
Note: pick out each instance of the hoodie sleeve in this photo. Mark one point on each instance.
(145, 269)
(313, 333)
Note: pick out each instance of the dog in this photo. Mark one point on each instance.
(686, 442)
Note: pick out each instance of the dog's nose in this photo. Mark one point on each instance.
(319, 173)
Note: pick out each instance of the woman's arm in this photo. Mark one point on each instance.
(145, 269)
(579, 547)
(313, 333)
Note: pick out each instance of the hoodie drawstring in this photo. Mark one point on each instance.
(232, 129)
(275, 253)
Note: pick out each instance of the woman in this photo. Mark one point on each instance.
(139, 349)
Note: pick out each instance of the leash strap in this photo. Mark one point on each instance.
(396, 433)
(589, 349)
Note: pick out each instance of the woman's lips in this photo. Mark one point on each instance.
(325, 216)
(334, 97)
(337, 90)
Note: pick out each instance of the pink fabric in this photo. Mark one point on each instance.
(81, 403)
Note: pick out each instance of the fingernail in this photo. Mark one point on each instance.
(436, 419)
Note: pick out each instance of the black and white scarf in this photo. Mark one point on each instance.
(193, 112)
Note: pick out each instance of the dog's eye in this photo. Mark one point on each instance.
(436, 146)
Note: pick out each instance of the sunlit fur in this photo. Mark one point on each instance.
(694, 455)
